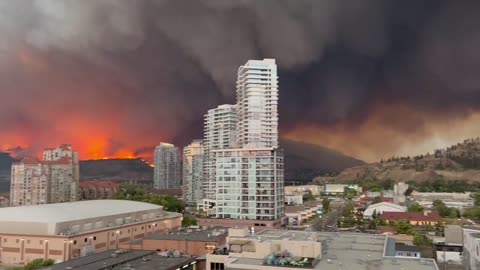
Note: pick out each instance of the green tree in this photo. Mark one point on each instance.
(326, 205)
(309, 196)
(415, 207)
(347, 211)
(34, 265)
(404, 227)
(377, 200)
(188, 221)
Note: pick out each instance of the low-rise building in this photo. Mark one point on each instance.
(64, 231)
(449, 249)
(414, 218)
(335, 189)
(379, 208)
(401, 250)
(293, 199)
(280, 249)
(313, 189)
(195, 242)
(128, 259)
(297, 215)
(471, 247)
(451, 199)
(98, 190)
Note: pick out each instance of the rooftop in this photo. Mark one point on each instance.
(135, 259)
(214, 234)
(412, 216)
(342, 251)
(69, 211)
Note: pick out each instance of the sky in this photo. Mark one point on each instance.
(371, 78)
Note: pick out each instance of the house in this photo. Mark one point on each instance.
(410, 251)
(414, 218)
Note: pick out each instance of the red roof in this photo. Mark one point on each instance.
(411, 216)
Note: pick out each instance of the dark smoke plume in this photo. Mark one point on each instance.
(116, 76)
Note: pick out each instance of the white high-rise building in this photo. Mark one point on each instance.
(193, 176)
(51, 180)
(167, 171)
(219, 133)
(249, 176)
(250, 183)
(257, 104)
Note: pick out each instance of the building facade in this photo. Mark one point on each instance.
(98, 190)
(193, 176)
(167, 171)
(257, 104)
(219, 133)
(53, 179)
(250, 184)
(64, 231)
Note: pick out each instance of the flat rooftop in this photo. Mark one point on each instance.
(213, 234)
(138, 259)
(343, 251)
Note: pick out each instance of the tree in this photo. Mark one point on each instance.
(326, 205)
(404, 227)
(377, 200)
(308, 196)
(415, 207)
(348, 210)
(476, 198)
(349, 192)
(137, 193)
(34, 265)
(188, 221)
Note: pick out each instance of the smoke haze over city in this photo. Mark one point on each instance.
(115, 77)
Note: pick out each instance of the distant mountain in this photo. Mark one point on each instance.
(116, 169)
(457, 162)
(304, 161)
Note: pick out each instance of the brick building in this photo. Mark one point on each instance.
(195, 242)
(64, 231)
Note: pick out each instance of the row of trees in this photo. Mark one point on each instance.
(34, 265)
(441, 185)
(137, 193)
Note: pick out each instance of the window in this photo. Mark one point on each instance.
(18, 241)
(74, 242)
(41, 242)
(85, 240)
(94, 238)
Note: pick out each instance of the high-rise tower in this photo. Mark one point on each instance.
(219, 133)
(257, 104)
(193, 173)
(167, 171)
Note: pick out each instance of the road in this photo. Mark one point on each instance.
(329, 221)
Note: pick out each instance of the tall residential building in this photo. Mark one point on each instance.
(167, 171)
(249, 176)
(250, 183)
(51, 180)
(193, 176)
(219, 133)
(257, 104)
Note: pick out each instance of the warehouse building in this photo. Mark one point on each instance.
(64, 231)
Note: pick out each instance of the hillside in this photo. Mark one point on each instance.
(304, 161)
(457, 162)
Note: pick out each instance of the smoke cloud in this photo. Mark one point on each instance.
(115, 77)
